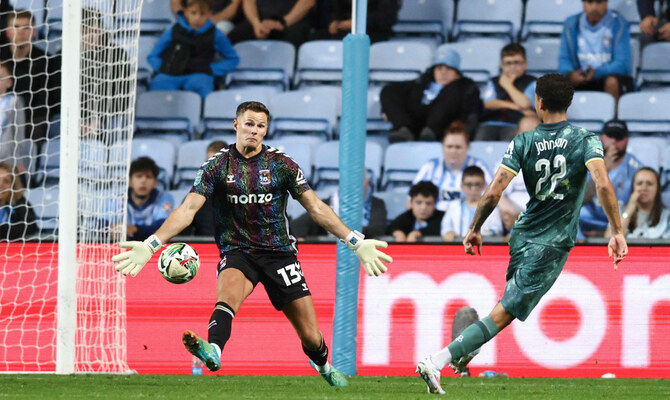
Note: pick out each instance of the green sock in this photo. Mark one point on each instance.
(473, 337)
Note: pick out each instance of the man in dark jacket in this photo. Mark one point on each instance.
(423, 108)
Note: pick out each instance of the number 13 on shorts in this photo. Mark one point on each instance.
(291, 274)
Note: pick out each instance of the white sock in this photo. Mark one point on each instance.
(217, 349)
(441, 358)
(323, 369)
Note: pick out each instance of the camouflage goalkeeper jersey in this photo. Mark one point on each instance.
(249, 197)
(553, 159)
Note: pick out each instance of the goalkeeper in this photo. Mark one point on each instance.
(248, 184)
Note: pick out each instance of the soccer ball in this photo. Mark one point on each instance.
(178, 263)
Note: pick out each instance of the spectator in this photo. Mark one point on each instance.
(423, 108)
(382, 15)
(508, 97)
(36, 74)
(14, 147)
(374, 215)
(460, 212)
(595, 50)
(621, 167)
(17, 219)
(446, 173)
(224, 12)
(203, 222)
(274, 19)
(649, 24)
(644, 215)
(184, 55)
(422, 219)
(147, 206)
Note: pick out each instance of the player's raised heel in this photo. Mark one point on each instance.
(201, 349)
(430, 375)
(334, 377)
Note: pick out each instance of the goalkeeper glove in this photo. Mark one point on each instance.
(367, 253)
(132, 261)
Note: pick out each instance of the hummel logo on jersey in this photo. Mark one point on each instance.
(230, 179)
(300, 178)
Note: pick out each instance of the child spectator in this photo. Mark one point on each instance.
(645, 216)
(224, 12)
(184, 55)
(508, 97)
(422, 219)
(14, 147)
(17, 219)
(459, 215)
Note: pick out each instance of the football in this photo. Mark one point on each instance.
(178, 263)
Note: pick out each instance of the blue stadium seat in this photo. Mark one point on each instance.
(628, 10)
(488, 17)
(375, 122)
(156, 17)
(425, 18)
(319, 62)
(655, 68)
(542, 55)
(403, 161)
(327, 90)
(491, 152)
(54, 14)
(162, 152)
(49, 163)
(480, 58)
(44, 202)
(395, 201)
(398, 61)
(264, 62)
(178, 195)
(298, 151)
(327, 163)
(92, 161)
(303, 112)
(635, 53)
(648, 150)
(144, 69)
(171, 111)
(646, 112)
(665, 176)
(220, 107)
(591, 110)
(190, 157)
(546, 17)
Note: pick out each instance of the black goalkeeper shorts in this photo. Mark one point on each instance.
(279, 272)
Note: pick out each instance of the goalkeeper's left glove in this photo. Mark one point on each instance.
(367, 253)
(132, 261)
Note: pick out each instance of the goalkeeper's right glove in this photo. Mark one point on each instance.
(367, 253)
(132, 261)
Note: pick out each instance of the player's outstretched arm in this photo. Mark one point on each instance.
(486, 205)
(365, 249)
(132, 261)
(617, 246)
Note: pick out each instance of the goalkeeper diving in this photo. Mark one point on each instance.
(248, 184)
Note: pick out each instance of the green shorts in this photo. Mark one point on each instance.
(533, 269)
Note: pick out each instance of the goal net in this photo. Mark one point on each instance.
(67, 99)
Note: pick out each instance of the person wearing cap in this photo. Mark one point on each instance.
(595, 50)
(423, 108)
(621, 167)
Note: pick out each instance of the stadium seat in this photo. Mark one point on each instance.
(395, 201)
(375, 122)
(303, 112)
(488, 17)
(220, 107)
(298, 150)
(546, 17)
(542, 55)
(398, 61)
(646, 112)
(49, 163)
(591, 110)
(190, 157)
(92, 161)
(648, 150)
(403, 161)
(178, 195)
(628, 10)
(171, 111)
(635, 53)
(156, 17)
(319, 62)
(264, 62)
(425, 19)
(44, 202)
(327, 163)
(144, 70)
(665, 176)
(327, 90)
(163, 154)
(655, 68)
(491, 152)
(480, 58)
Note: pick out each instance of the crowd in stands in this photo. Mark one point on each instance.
(444, 101)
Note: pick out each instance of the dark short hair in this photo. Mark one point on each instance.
(217, 145)
(12, 15)
(204, 4)
(255, 106)
(473, 170)
(144, 164)
(513, 49)
(556, 91)
(424, 188)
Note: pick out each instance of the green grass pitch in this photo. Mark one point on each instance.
(313, 387)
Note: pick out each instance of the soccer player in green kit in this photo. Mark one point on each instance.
(555, 158)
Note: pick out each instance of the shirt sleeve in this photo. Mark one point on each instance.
(296, 182)
(205, 179)
(489, 92)
(530, 93)
(593, 149)
(447, 223)
(513, 155)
